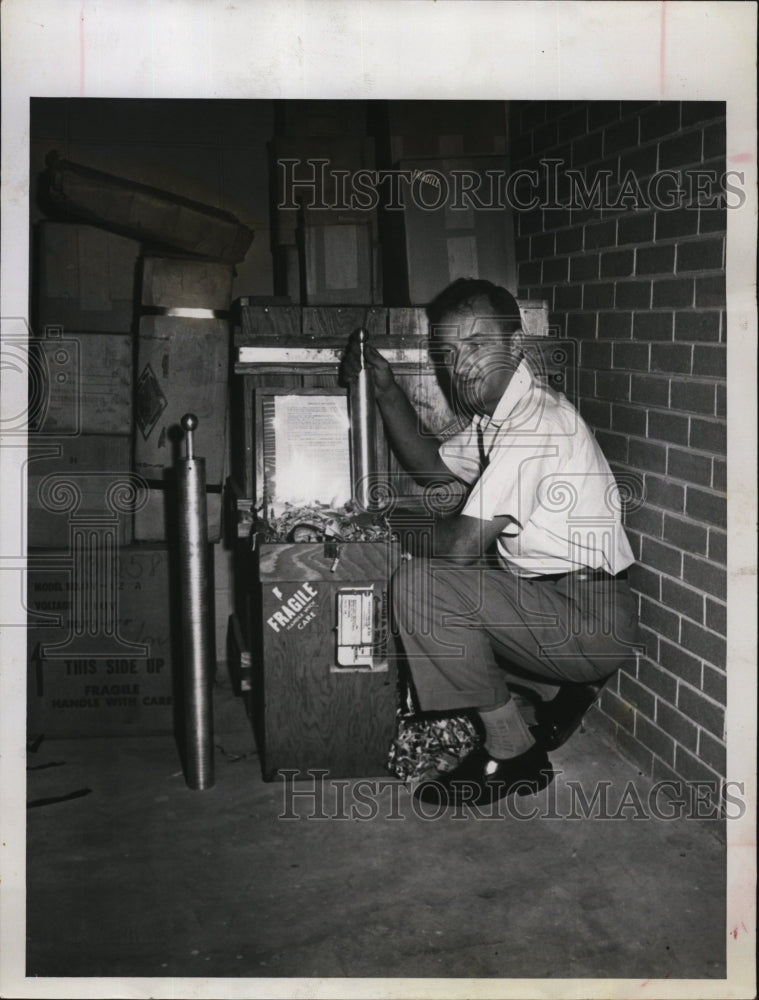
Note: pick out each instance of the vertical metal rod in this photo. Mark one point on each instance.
(363, 436)
(196, 653)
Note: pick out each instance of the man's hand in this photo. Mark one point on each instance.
(381, 372)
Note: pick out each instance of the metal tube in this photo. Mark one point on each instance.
(193, 573)
(363, 434)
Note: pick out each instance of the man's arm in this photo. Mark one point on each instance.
(467, 539)
(417, 452)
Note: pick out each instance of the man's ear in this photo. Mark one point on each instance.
(517, 343)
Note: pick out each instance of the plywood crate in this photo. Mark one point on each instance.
(88, 383)
(312, 712)
(72, 479)
(182, 367)
(86, 278)
(106, 668)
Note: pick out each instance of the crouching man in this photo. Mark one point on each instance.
(529, 637)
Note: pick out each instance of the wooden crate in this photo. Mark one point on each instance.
(310, 712)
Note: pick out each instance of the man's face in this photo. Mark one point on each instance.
(478, 357)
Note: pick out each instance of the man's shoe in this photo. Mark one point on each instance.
(480, 779)
(558, 718)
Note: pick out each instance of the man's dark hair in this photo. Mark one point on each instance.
(480, 296)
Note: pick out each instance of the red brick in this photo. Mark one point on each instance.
(602, 113)
(685, 534)
(715, 684)
(712, 752)
(569, 240)
(660, 120)
(636, 695)
(701, 111)
(599, 296)
(714, 140)
(613, 385)
(582, 325)
(707, 576)
(601, 234)
(672, 358)
(682, 664)
(648, 520)
(716, 616)
(640, 162)
(621, 135)
(712, 219)
(708, 435)
(652, 737)
(617, 709)
(595, 354)
(663, 493)
(614, 446)
(681, 150)
(645, 581)
(706, 713)
(695, 397)
(650, 389)
(682, 599)
(628, 420)
(658, 680)
(652, 326)
(567, 297)
(584, 267)
(688, 466)
(655, 260)
(720, 407)
(596, 413)
(632, 294)
(672, 292)
(677, 725)
(648, 456)
(676, 222)
(665, 426)
(718, 546)
(694, 769)
(617, 263)
(573, 124)
(662, 557)
(699, 255)
(711, 361)
(629, 356)
(710, 291)
(615, 325)
(705, 506)
(660, 619)
(555, 270)
(707, 645)
(696, 326)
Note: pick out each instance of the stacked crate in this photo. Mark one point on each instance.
(99, 649)
(182, 367)
(326, 247)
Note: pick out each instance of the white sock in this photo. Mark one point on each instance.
(506, 732)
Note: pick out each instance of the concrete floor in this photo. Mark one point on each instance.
(144, 877)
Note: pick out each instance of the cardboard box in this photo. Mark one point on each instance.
(182, 367)
(71, 480)
(106, 668)
(157, 519)
(337, 261)
(173, 282)
(430, 243)
(88, 386)
(86, 278)
(144, 212)
(321, 698)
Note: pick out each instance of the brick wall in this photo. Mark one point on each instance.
(641, 288)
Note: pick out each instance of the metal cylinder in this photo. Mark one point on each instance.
(363, 434)
(197, 659)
